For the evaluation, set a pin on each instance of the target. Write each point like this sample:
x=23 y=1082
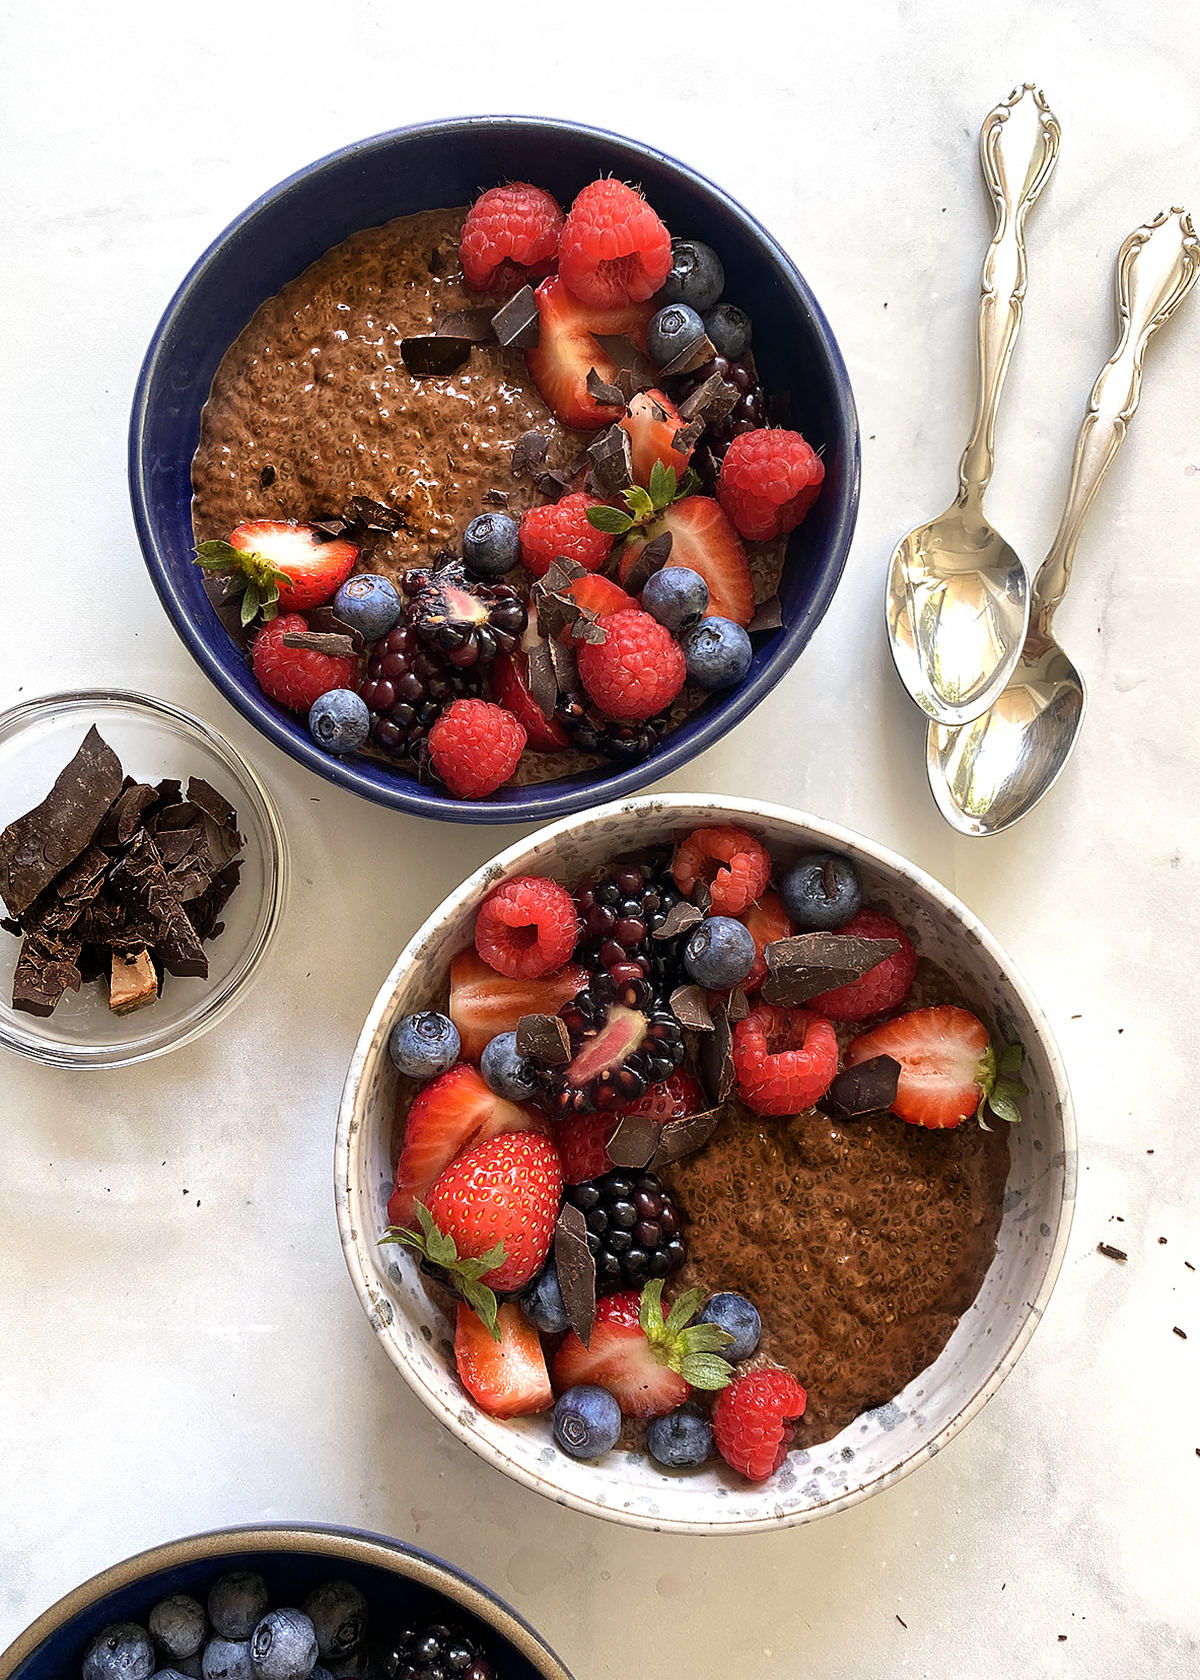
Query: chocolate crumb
x=1189 y=1265
x=576 y=1268
x=903 y=1624
x=496 y=498
x=544 y=1038
x=677 y=920
x=518 y=325
x=689 y=1005
x=1110 y=1252
x=1161 y=1241
x=434 y=355
x=1182 y=1334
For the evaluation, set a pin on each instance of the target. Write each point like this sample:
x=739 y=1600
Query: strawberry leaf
x=650 y=1315
x=609 y=519
x=639 y=503
x=706 y=1370
x=483 y=1303
x=1002 y=1100
x=688 y=484
x=1010 y=1060
x=684 y=1311
x=704 y=1338
x=662 y=485
x=235 y=583
x=250 y=603
x=217 y=556
x=466 y=1274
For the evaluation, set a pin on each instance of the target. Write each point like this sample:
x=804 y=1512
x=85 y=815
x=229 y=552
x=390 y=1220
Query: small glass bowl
x=153 y=739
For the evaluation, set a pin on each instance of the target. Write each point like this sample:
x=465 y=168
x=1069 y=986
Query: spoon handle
x=1016 y=166
x=1156 y=269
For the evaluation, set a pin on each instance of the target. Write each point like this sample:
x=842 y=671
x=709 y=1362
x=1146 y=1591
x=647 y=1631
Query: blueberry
x=192 y=1668
x=671 y=331
x=719 y=953
x=696 y=276
x=542 y=1303
x=369 y=604
x=821 y=892
x=236 y=1604
x=737 y=1315
x=505 y=1072
x=177 y=1626
x=169 y=1674
x=677 y=597
x=339 y=720
x=284 y=1646
x=491 y=545
x=422 y=1046
x=587 y=1421
x=730 y=330
x=338 y=1613
x=227 y=1659
x=717 y=651
x=121 y=1651
x=680 y=1440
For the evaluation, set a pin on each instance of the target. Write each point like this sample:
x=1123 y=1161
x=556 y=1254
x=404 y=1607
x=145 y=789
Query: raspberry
x=744 y=867
x=883 y=987
x=750 y=1421
x=636 y=670
x=294 y=676
x=510 y=236
x=768 y=481
x=767 y=921
x=475 y=747
x=613 y=250
x=527 y=928
x=561 y=529
x=582 y=1146
x=783 y=1059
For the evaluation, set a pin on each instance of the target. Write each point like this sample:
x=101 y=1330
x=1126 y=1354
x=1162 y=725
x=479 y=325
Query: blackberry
x=468 y=622
x=632 y=1229
x=748 y=415
x=406 y=688
x=625 y=743
x=619 y=913
x=434 y=1652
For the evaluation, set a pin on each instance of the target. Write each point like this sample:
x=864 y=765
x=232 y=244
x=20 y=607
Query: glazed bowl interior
x=877 y=1448
x=397 y=1581
x=440 y=165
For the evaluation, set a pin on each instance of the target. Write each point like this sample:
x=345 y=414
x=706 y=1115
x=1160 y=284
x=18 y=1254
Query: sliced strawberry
x=484 y=1003
x=599 y=595
x=507 y=1378
x=316 y=569
x=946 y=1063
x=620 y=1359
x=652 y=422
x=453 y=1112
x=703 y=539
x=510 y=689
x=497 y=1203
x=767 y=921
x=567 y=350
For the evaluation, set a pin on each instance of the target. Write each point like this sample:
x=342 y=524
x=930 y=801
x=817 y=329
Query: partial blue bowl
x=400 y=1583
x=431 y=166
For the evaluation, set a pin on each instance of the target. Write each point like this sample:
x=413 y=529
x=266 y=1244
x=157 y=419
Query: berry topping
x=560 y=531
x=475 y=746
x=484 y=1003
x=283 y=1646
x=632 y=1228
x=881 y=988
x=672 y=1099
x=767 y=921
x=505 y=1374
x=768 y=481
x=653 y=423
x=467 y=622
x=947 y=1066
x=821 y=892
x=719 y=953
x=702 y=539
x=339 y=721
x=542 y=1302
x=295 y=677
x=677 y=597
x=733 y=865
x=369 y=604
x=748 y=414
x=750 y=1421
x=406 y=689
x=506 y=1071
x=613 y=249
x=527 y=927
x=509 y=676
x=739 y=1317
x=422 y=1046
x=682 y=1439
x=647 y=1364
x=491 y=545
x=429 y=1650
x=718 y=653
x=582 y=1141
x=338 y=1613
x=671 y=331
x=237 y=1602
x=509 y=237
x=568 y=348
x=587 y=1421
x=280 y=565
x=729 y=330
x=783 y=1059
x=695 y=277
x=120 y=1651
x=637 y=670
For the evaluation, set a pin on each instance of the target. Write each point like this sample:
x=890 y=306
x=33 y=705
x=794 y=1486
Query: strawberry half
x=652 y=423
x=510 y=689
x=499 y=1202
x=648 y=1365
x=286 y=566
x=484 y=1003
x=505 y=1378
x=671 y=1099
x=704 y=539
x=568 y=348
x=947 y=1066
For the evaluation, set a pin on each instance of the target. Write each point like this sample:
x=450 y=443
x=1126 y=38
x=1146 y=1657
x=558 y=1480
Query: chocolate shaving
x=602 y=392
x=529 y=452
x=119 y=825
x=553 y=485
x=611 y=455
x=710 y=402
x=561 y=573
x=738 y=1006
x=715 y=1059
x=576 y=1267
x=810 y=963
x=330 y=527
x=701 y=895
x=678 y=919
x=518 y=326
x=35 y=847
x=866 y=1088
x=588 y=628
x=323 y=621
x=543 y=684
x=566 y=668
x=544 y=1038
x=497 y=498
x=692 y=356
x=767 y=616
x=474 y=325
x=1111 y=1253
x=687 y=437
x=689 y=1005
x=683 y=1137
x=336 y=646
x=634 y=1141
x=375 y=516
x=652 y=558
x=435 y=355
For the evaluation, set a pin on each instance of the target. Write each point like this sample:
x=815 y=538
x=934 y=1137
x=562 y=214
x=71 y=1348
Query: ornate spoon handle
x=1016 y=168
x=1156 y=269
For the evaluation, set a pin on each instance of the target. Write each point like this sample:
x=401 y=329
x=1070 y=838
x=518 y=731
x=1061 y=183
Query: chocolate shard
x=576 y=1267
x=133 y=981
x=738 y=1006
x=715 y=1059
x=334 y=527
x=140 y=879
x=635 y=372
x=588 y=628
x=496 y=498
x=687 y=437
x=435 y=355
x=1111 y=1252
x=553 y=485
x=684 y=1137
x=810 y=963
x=315 y=641
x=518 y=326
x=375 y=516
x=47 y=966
x=203 y=911
x=323 y=621
x=214 y=805
x=566 y=667
x=543 y=684
x=35 y=847
x=692 y=356
x=634 y=1141
x=652 y=558
x=611 y=455
x=712 y=401
x=473 y=324
x=529 y=452
x=561 y=573
x=602 y=392
x=126 y=815
x=867 y=1088
x=544 y=1038
x=767 y=616
x=678 y=919
x=689 y=1005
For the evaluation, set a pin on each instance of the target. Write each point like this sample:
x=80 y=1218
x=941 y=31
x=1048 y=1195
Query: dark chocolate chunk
x=518 y=326
x=330 y=528
x=611 y=455
x=543 y=684
x=119 y=825
x=634 y=1141
x=47 y=967
x=767 y=616
x=711 y=401
x=472 y=324
x=529 y=452
x=1110 y=1252
x=323 y=621
x=562 y=573
x=336 y=646
x=496 y=498
x=652 y=558
x=678 y=919
x=687 y=437
x=738 y=1006
x=810 y=963
x=544 y=1038
x=435 y=355
x=576 y=1268
x=203 y=911
x=214 y=805
x=635 y=372
x=35 y=847
x=867 y=1088
x=553 y=485
x=139 y=878
x=689 y=1005
x=692 y=356
x=566 y=668
x=715 y=1059
x=375 y=516
x=684 y=1137
x=602 y=392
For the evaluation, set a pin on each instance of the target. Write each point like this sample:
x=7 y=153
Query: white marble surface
x=180 y=1346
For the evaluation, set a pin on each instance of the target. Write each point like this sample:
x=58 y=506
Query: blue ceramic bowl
x=429 y=167
x=398 y=1582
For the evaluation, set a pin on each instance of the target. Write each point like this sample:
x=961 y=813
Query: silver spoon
x=957 y=595
x=987 y=774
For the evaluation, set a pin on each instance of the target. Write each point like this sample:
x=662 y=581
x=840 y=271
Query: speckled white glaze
x=877 y=1448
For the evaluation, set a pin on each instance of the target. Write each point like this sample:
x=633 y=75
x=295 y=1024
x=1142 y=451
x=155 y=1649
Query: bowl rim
x=364 y=777
x=352 y=1545
x=354 y=1245
x=210 y=1011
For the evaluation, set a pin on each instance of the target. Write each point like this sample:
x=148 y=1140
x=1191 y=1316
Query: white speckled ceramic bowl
x=876 y=1449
